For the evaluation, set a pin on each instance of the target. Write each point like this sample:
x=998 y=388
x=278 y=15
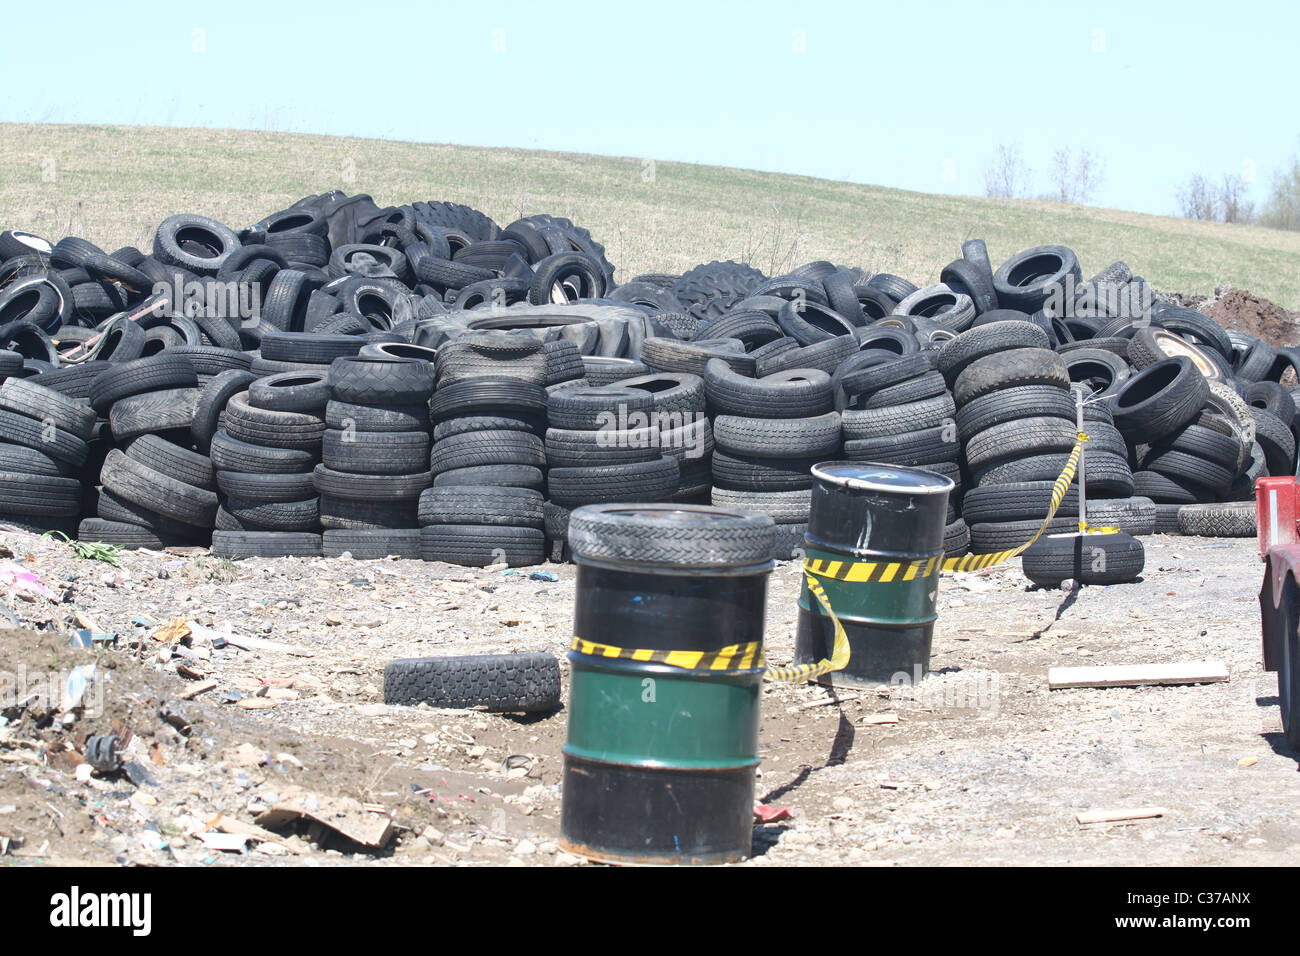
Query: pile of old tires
x=345 y=379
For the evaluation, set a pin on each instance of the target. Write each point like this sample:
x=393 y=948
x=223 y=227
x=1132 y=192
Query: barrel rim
x=928 y=482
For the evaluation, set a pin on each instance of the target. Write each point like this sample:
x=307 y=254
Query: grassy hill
x=113 y=185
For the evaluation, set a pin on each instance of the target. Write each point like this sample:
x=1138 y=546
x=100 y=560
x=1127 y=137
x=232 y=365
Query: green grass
x=113 y=185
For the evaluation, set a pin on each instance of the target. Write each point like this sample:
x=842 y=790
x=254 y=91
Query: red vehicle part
x=1279 y=596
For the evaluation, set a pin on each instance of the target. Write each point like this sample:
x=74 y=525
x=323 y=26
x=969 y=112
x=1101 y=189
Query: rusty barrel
x=875 y=543
x=665 y=678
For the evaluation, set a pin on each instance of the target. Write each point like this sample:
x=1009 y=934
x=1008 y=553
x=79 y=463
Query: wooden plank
x=1132 y=675
x=1119 y=816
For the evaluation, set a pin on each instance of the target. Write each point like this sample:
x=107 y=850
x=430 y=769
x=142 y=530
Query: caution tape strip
x=732 y=657
x=839 y=658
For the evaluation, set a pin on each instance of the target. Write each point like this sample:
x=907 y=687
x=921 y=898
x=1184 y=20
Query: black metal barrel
x=665 y=675
x=875 y=544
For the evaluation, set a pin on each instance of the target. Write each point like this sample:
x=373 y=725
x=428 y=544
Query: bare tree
x=1006 y=176
x=1233 y=206
x=1196 y=199
x=1199 y=198
x=1075 y=178
x=1282 y=211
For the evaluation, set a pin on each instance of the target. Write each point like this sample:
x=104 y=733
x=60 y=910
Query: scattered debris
x=1137 y=675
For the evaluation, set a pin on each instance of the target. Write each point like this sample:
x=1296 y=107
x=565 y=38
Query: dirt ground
x=1246 y=312
x=980 y=763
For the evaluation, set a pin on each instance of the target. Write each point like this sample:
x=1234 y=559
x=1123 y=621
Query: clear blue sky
x=912 y=95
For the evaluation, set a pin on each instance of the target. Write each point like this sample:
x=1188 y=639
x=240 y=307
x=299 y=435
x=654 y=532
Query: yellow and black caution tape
x=737 y=657
x=839 y=658
x=747 y=656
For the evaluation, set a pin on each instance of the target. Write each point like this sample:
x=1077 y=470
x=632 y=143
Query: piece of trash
x=1119 y=816
x=766 y=814
x=190 y=691
x=104 y=752
x=1248 y=761
x=173 y=632
x=228 y=842
x=74 y=688
x=343 y=815
x=174 y=715
x=1134 y=675
x=22 y=580
x=544 y=576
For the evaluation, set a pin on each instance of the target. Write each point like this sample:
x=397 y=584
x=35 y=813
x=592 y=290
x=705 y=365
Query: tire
x=1103 y=372
x=481 y=505
x=473 y=449
x=23 y=494
x=382 y=418
x=1020 y=438
x=1005 y=535
x=370 y=488
x=376 y=514
x=1159 y=400
x=171 y=459
x=29 y=461
x=672 y=535
x=1149 y=346
x=1115 y=558
x=808 y=323
x=509 y=476
x=600 y=370
x=262 y=426
x=820 y=356
x=1106 y=475
x=486 y=395
x=32 y=433
x=141 y=485
x=671 y=355
x=373 y=545
x=126 y=379
x=672 y=392
x=952 y=310
x=925 y=386
x=753 y=473
x=1027 y=279
x=497 y=683
x=291 y=392
x=1165 y=490
x=1028 y=401
x=1132 y=515
x=637 y=481
x=780 y=506
x=36 y=401
x=799 y=393
x=574 y=272
x=126 y=536
x=956 y=539
x=231 y=454
x=296 y=486
x=914 y=416
x=1232 y=520
x=236 y=545
x=927 y=446
x=1022 y=501
x=814 y=437
x=178 y=237
x=1277 y=441
x=307 y=348
x=171 y=412
x=503 y=421
x=590 y=409
x=375 y=453
x=242 y=514
x=567 y=448
x=480 y=546
x=1012 y=368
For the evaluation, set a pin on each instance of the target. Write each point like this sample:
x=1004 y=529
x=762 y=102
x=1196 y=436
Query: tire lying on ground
x=497 y=683
x=1086 y=558
x=1226 y=520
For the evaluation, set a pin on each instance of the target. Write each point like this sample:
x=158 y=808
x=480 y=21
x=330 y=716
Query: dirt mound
x=1241 y=310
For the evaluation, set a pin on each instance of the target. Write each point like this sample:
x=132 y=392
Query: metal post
x=1083 y=448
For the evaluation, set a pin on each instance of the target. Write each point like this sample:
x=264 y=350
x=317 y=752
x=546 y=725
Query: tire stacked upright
x=489 y=413
x=43 y=443
x=1016 y=420
x=679 y=417
x=264 y=452
x=375 y=457
x=768 y=433
x=603 y=446
x=156 y=489
x=900 y=411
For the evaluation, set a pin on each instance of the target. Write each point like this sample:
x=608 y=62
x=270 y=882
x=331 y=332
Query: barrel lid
x=874 y=476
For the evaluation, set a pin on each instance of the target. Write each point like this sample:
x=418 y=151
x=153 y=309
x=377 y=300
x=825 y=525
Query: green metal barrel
x=665 y=680
x=875 y=543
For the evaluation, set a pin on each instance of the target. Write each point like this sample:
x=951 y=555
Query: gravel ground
x=979 y=764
